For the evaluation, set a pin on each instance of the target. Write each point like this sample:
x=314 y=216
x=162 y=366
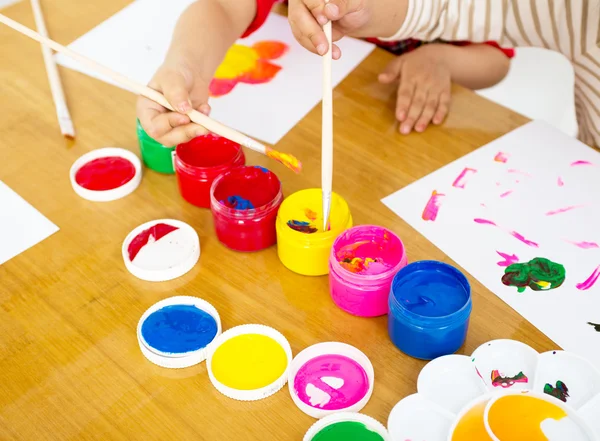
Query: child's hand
x=185 y=91
x=307 y=18
x=424 y=88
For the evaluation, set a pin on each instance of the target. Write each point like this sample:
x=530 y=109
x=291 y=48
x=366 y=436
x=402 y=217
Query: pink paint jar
x=249 y=229
x=362 y=265
x=198 y=162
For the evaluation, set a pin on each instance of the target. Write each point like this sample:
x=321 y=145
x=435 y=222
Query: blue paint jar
x=430 y=306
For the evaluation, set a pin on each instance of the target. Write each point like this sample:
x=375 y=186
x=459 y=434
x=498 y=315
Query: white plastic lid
x=177 y=360
x=340 y=417
x=253 y=394
x=115 y=193
x=164 y=258
x=333 y=380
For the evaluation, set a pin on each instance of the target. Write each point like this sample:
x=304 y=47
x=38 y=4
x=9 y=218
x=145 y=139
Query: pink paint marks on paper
x=514 y=234
x=461 y=180
x=506 y=193
x=484 y=221
x=563 y=210
x=519 y=172
x=560 y=182
x=433 y=206
x=509 y=259
x=584 y=245
x=501 y=157
x=579 y=163
x=589 y=282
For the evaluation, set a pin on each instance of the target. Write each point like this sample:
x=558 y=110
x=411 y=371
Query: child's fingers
x=428 y=112
x=307 y=31
x=182 y=134
x=416 y=109
x=391 y=71
x=176 y=92
x=443 y=108
x=404 y=99
x=165 y=122
x=316 y=9
x=336 y=52
x=147 y=110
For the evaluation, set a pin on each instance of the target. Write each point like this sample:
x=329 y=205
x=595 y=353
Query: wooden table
x=70 y=366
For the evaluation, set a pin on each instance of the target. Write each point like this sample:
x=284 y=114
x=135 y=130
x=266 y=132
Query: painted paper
x=266 y=85
x=537 y=249
x=21 y=225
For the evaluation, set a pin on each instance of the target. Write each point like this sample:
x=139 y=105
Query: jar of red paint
x=199 y=161
x=247 y=229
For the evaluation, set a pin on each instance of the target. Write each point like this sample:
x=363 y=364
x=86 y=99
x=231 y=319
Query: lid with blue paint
x=177 y=332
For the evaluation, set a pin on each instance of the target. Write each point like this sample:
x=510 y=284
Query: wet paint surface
x=289 y=161
x=501 y=157
x=432 y=207
x=237 y=203
x=150 y=235
x=585 y=245
x=375 y=256
x=249 y=362
x=525 y=414
x=561 y=391
x=331 y=382
x=347 y=431
x=471 y=425
x=248 y=65
x=578 y=163
x=462 y=179
x=302 y=226
x=177 y=329
x=106 y=173
x=509 y=259
x=539 y=274
x=590 y=281
x=499 y=380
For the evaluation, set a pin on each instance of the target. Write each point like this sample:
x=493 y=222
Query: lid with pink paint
x=161 y=250
x=331 y=377
x=106 y=174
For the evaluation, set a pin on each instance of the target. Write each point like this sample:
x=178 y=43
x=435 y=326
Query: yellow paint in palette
x=249 y=362
x=471 y=425
x=307 y=253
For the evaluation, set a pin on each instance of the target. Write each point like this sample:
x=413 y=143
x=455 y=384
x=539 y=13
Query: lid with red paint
x=161 y=250
x=106 y=174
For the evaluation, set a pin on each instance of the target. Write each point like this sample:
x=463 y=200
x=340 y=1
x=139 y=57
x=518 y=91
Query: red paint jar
x=252 y=229
x=199 y=161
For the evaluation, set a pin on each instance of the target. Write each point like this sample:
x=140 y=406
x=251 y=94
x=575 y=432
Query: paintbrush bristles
x=197 y=117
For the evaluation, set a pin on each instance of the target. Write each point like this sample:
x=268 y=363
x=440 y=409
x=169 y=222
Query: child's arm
x=203 y=34
x=425 y=76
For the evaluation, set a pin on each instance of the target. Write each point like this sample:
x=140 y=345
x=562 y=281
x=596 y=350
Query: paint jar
x=362 y=265
x=199 y=161
x=250 y=229
x=307 y=253
x=155 y=155
x=430 y=306
x=346 y=426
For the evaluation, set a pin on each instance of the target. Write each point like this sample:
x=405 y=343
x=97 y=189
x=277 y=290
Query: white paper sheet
x=134 y=42
x=545 y=172
x=21 y=225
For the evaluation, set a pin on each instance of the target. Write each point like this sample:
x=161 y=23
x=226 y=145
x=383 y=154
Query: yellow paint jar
x=308 y=253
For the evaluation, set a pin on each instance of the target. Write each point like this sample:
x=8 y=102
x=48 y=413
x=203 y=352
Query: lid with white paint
x=161 y=250
x=331 y=377
x=249 y=362
x=178 y=331
x=106 y=174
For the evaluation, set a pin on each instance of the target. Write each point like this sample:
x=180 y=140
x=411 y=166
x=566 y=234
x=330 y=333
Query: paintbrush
x=62 y=111
x=327 y=129
x=211 y=125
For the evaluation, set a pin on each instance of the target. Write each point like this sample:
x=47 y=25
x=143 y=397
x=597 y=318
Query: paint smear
x=509 y=259
x=589 y=282
x=514 y=234
x=596 y=326
x=484 y=221
x=237 y=203
x=310 y=215
x=331 y=382
x=501 y=157
x=560 y=182
x=248 y=65
x=506 y=193
x=578 y=163
x=584 y=245
x=561 y=391
x=506 y=382
x=249 y=362
x=102 y=174
x=538 y=274
x=302 y=226
x=519 y=172
x=563 y=210
x=433 y=206
x=461 y=180
x=152 y=234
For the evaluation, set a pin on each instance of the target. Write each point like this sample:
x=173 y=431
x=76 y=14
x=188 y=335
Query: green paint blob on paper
x=539 y=274
x=347 y=431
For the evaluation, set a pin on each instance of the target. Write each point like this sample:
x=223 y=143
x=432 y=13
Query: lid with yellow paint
x=249 y=362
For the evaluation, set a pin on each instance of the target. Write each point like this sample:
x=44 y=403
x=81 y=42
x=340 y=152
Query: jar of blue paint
x=430 y=306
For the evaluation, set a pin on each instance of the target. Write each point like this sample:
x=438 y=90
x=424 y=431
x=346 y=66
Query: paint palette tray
x=504 y=387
